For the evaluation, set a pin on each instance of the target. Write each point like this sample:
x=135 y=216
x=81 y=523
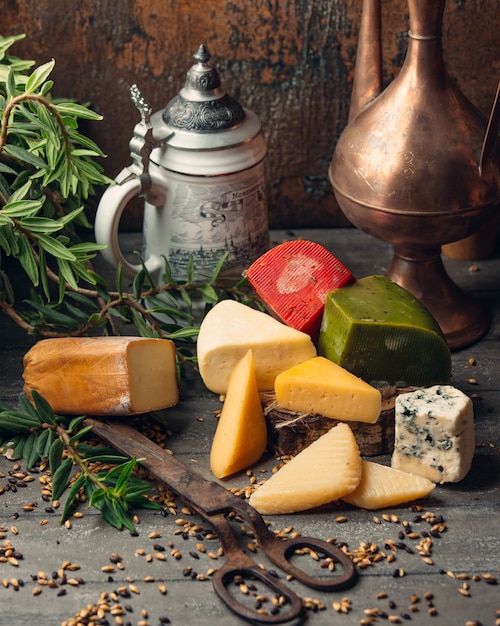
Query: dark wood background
x=291 y=61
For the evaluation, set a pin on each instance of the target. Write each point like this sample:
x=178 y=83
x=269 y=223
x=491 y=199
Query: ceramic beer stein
x=199 y=164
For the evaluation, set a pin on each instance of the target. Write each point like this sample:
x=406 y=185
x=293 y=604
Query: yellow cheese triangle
x=241 y=434
x=323 y=387
x=383 y=486
x=326 y=470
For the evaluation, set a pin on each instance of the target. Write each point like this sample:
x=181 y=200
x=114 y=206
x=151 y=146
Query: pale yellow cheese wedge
x=328 y=469
x=383 y=486
x=103 y=375
x=230 y=329
x=241 y=435
x=320 y=386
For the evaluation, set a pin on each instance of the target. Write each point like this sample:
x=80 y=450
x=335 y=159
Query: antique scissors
x=213 y=502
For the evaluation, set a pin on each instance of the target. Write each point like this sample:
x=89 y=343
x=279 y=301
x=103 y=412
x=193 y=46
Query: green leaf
x=30 y=451
x=125 y=472
x=96 y=496
x=39 y=76
x=79 y=152
x=77 y=110
x=6 y=169
x=77 y=138
x=26 y=407
x=190 y=270
x=46 y=87
x=75 y=423
x=5 y=220
x=218 y=267
x=87 y=247
x=188 y=332
x=22 y=189
x=26 y=157
x=43 y=408
x=66 y=273
x=55 y=455
x=81 y=433
x=22 y=208
x=41 y=225
x=27 y=260
x=105 y=458
x=44 y=279
x=113 y=512
x=10 y=83
x=73 y=492
x=208 y=294
x=17 y=446
x=138 y=283
x=167 y=273
x=48 y=444
x=60 y=478
x=83 y=300
x=8 y=41
x=55 y=247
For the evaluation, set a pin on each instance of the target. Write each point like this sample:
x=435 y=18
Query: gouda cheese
x=241 y=435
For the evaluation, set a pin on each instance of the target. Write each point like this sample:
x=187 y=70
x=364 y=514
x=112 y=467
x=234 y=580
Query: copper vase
x=418 y=165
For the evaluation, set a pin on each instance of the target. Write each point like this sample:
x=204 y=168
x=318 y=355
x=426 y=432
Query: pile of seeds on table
x=197 y=551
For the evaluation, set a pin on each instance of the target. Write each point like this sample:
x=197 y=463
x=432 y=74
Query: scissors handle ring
x=288 y=609
x=280 y=553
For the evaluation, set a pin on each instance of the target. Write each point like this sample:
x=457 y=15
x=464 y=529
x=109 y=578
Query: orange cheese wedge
x=325 y=471
x=241 y=434
x=383 y=486
x=293 y=279
x=103 y=375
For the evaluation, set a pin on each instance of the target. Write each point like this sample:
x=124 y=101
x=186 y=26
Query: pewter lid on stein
x=203 y=115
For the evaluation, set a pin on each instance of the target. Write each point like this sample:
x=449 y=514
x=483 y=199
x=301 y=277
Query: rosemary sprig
x=35 y=433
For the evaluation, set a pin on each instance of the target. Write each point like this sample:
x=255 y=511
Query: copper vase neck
x=426 y=18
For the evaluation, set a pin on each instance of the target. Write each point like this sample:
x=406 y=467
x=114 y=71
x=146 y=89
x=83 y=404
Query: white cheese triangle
x=230 y=329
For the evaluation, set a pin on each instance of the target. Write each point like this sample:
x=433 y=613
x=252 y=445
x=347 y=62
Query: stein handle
x=107 y=220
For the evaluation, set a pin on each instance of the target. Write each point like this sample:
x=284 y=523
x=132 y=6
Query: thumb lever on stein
x=143 y=142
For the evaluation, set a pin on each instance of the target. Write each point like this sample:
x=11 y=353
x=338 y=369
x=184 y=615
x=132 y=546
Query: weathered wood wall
x=291 y=61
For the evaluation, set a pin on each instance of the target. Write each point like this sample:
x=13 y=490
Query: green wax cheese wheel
x=381 y=333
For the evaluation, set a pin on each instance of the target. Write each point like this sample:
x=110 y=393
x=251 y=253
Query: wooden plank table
x=142 y=588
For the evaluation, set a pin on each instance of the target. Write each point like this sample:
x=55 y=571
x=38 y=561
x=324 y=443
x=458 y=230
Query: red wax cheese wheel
x=293 y=279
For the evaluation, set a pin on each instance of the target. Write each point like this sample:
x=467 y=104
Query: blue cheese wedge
x=434 y=433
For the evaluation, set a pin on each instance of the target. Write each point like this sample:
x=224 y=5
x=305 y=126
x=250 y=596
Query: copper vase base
x=462 y=318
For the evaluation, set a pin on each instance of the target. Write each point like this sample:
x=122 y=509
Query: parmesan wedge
x=103 y=375
x=241 y=434
x=230 y=329
x=383 y=486
x=325 y=471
